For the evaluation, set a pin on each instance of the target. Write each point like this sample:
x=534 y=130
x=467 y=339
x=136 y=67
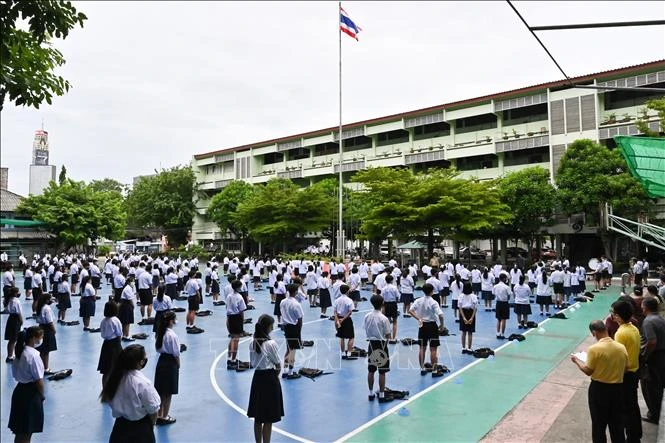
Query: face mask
x=144 y=362
x=37 y=343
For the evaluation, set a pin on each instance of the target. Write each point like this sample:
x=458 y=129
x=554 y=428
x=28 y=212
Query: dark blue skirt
x=26 y=415
x=87 y=307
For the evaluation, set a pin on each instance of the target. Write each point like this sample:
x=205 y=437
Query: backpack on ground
x=482 y=352
x=518 y=337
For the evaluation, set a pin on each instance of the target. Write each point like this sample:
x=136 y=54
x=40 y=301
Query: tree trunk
x=606 y=239
x=430 y=243
x=504 y=246
x=455 y=250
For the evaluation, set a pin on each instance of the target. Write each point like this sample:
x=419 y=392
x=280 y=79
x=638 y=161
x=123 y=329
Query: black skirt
x=265 y=397
x=49 y=344
x=172 y=291
x=96 y=282
x=544 y=299
x=126 y=314
x=278 y=301
x=110 y=351
x=145 y=296
x=463 y=327
x=26 y=415
x=502 y=310
x=64 y=300
x=167 y=374
x=117 y=294
x=27 y=283
x=13 y=327
x=522 y=309
x=75 y=278
x=215 y=287
x=155 y=281
x=324 y=298
x=345 y=329
x=139 y=431
x=235 y=324
x=87 y=307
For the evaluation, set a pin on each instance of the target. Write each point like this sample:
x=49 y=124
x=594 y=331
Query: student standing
x=161 y=304
x=171 y=282
x=426 y=311
x=312 y=286
x=476 y=281
x=390 y=294
x=502 y=294
x=145 y=292
x=354 y=288
x=455 y=291
x=280 y=294
x=8 y=280
x=522 y=303
x=344 y=322
x=266 y=405
x=606 y=363
x=557 y=278
x=567 y=282
x=324 y=285
x=119 y=282
x=88 y=302
x=436 y=285
x=27 y=283
x=64 y=296
x=291 y=314
x=111 y=331
x=167 y=372
x=406 y=286
x=26 y=415
x=133 y=400
x=45 y=321
x=12 y=304
x=193 y=292
x=487 y=288
x=377 y=330
x=127 y=304
x=468 y=306
x=235 y=308
x=544 y=293
x=214 y=283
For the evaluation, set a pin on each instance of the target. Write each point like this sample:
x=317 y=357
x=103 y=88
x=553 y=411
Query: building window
x=243 y=167
x=272 y=158
x=627 y=99
x=326 y=149
x=432 y=130
x=477 y=162
x=357 y=143
x=392 y=137
x=475 y=123
x=298 y=154
x=527 y=156
x=527 y=114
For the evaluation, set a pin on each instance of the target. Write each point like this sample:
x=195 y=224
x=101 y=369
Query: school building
x=483 y=137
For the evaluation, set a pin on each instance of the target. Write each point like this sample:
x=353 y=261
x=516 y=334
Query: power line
x=597 y=25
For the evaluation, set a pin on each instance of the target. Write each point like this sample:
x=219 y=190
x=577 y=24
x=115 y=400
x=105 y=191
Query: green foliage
x=223 y=206
x=75 y=213
x=63 y=175
x=410 y=205
x=104 y=250
x=28 y=59
x=642 y=124
x=193 y=250
x=531 y=199
x=108 y=184
x=280 y=211
x=591 y=175
x=165 y=202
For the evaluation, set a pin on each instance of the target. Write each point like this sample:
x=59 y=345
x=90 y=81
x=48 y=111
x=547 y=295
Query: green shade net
x=646 y=160
x=22 y=223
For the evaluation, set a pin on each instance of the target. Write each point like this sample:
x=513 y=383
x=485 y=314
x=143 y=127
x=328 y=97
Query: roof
x=500 y=95
x=9 y=200
x=646 y=160
x=413 y=244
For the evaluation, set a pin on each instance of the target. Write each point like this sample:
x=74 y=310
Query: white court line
x=397 y=407
x=228 y=401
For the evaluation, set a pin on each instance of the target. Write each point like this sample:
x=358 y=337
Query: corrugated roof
x=500 y=95
x=9 y=200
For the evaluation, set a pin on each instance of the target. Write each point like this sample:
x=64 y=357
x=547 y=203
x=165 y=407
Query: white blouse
x=268 y=358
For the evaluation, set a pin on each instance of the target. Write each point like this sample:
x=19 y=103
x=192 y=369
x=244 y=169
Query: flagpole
x=340 y=235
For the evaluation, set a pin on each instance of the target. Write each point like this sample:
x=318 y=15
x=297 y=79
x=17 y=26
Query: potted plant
x=610 y=119
x=530 y=134
x=411 y=151
x=505 y=136
x=516 y=134
x=626 y=118
x=488 y=139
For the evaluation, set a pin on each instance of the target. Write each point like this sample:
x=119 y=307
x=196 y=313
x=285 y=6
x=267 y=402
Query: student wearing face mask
x=133 y=399
x=167 y=372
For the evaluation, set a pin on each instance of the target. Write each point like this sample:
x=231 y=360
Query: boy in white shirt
x=344 y=322
x=377 y=330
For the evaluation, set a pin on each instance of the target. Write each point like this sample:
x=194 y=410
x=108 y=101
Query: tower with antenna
x=41 y=172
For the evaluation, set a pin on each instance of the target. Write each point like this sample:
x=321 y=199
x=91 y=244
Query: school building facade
x=483 y=137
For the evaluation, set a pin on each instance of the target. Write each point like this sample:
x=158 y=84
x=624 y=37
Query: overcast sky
x=157 y=82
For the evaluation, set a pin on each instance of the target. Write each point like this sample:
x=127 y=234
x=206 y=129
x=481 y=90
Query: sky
x=156 y=82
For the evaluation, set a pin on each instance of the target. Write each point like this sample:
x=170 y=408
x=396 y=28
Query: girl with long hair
x=544 y=293
x=265 y=398
x=111 y=330
x=87 y=303
x=522 y=302
x=44 y=319
x=133 y=399
x=167 y=372
x=11 y=303
x=468 y=306
x=26 y=415
x=161 y=304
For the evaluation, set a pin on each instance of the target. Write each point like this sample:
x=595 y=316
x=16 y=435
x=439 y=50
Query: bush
x=103 y=250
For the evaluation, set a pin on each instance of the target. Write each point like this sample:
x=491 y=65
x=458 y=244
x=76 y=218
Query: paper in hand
x=581 y=356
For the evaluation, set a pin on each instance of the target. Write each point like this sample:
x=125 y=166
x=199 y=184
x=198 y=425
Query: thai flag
x=346 y=25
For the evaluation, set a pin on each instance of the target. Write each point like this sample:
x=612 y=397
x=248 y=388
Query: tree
x=223 y=206
x=280 y=212
x=28 y=59
x=642 y=122
x=531 y=199
x=110 y=185
x=75 y=213
x=431 y=205
x=164 y=202
x=591 y=175
x=63 y=175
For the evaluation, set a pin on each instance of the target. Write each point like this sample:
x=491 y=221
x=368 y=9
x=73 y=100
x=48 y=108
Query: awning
x=412 y=245
x=646 y=160
x=21 y=223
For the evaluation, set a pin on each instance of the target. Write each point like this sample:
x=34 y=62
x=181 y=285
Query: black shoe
x=437 y=374
x=9 y=359
x=127 y=339
x=292 y=376
x=407 y=316
x=323 y=316
x=457 y=320
x=385 y=399
x=371 y=397
x=392 y=342
x=230 y=365
x=354 y=310
x=650 y=420
x=423 y=372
